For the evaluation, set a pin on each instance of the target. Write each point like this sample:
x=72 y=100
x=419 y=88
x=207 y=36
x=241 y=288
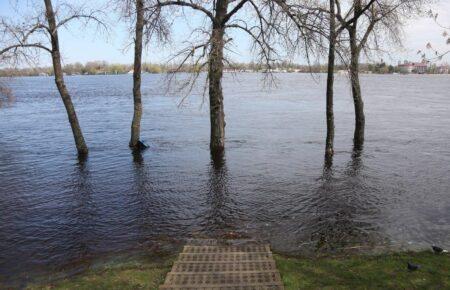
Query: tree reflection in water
x=221 y=213
x=82 y=234
x=7 y=98
x=146 y=210
x=338 y=226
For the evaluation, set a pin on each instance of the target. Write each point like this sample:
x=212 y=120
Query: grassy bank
x=386 y=271
x=139 y=274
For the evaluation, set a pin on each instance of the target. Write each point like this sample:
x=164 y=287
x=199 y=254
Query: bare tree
x=136 y=123
x=148 y=23
x=383 y=17
x=209 y=53
x=310 y=19
x=40 y=32
x=334 y=33
x=355 y=49
x=378 y=18
x=329 y=143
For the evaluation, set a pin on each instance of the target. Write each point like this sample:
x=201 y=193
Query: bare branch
x=233 y=11
x=187 y=4
x=25 y=45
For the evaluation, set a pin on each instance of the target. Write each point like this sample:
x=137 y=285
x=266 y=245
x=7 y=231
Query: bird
x=438 y=250
x=413 y=267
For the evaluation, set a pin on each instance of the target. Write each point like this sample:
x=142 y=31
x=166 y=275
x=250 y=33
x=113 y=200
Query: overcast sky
x=85 y=45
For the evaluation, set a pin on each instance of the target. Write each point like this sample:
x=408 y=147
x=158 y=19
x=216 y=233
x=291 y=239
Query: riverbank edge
x=362 y=271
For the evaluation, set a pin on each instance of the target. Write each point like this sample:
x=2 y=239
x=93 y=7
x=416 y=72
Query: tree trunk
x=59 y=80
x=136 y=123
x=358 y=139
x=329 y=150
x=215 y=73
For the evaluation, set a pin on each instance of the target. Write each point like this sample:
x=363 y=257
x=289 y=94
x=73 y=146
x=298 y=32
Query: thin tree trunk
x=358 y=138
x=215 y=73
x=59 y=80
x=329 y=147
x=136 y=123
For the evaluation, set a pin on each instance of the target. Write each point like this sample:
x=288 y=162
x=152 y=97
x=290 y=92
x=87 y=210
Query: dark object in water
x=413 y=267
x=140 y=146
x=437 y=250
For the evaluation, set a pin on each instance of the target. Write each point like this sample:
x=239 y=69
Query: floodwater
x=270 y=185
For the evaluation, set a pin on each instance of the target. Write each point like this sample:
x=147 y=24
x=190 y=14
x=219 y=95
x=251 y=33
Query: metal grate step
x=183 y=267
x=224 y=265
x=202 y=242
x=213 y=242
x=225 y=257
x=224 y=279
x=248 y=287
x=226 y=249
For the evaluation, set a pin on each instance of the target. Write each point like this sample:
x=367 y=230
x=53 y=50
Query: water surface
x=270 y=185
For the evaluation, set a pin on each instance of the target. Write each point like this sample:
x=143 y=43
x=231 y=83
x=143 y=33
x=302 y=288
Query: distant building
x=405 y=68
x=413 y=67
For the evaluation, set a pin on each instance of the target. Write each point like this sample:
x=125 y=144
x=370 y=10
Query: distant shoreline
x=105 y=68
x=226 y=72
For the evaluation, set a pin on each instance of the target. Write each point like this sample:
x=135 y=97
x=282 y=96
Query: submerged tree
x=363 y=21
x=137 y=98
x=382 y=20
x=222 y=16
x=148 y=23
x=310 y=19
x=24 y=39
x=329 y=143
x=355 y=49
x=332 y=39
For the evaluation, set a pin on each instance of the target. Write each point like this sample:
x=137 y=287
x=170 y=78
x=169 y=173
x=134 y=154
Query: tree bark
x=329 y=145
x=59 y=80
x=215 y=74
x=137 y=98
x=358 y=138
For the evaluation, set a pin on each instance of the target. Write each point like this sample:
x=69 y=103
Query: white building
x=413 y=67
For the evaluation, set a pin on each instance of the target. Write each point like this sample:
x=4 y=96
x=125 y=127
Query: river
x=271 y=184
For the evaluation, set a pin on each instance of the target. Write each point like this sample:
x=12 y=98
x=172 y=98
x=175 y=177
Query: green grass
x=130 y=275
x=387 y=271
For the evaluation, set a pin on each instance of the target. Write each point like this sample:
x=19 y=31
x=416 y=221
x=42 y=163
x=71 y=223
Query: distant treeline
x=89 y=68
x=105 y=68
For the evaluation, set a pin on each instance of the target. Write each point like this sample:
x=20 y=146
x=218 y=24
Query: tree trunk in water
x=358 y=138
x=136 y=123
x=215 y=73
x=329 y=148
x=59 y=80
